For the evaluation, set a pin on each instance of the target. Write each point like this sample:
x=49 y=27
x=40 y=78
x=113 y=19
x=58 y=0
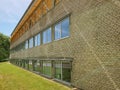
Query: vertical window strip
x=47 y=37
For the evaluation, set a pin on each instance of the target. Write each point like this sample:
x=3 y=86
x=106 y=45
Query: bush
x=4 y=47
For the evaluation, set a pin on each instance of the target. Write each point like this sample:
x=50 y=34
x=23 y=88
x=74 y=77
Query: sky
x=11 y=12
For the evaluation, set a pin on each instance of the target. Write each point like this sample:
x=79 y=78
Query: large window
x=30 y=65
x=47 y=36
x=62 y=29
x=63 y=71
x=31 y=42
x=36 y=66
x=66 y=71
x=37 y=40
x=58 y=70
x=47 y=68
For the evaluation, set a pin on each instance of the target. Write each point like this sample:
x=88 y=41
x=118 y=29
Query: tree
x=4 y=47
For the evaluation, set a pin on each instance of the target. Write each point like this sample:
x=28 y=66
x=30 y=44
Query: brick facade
x=94 y=42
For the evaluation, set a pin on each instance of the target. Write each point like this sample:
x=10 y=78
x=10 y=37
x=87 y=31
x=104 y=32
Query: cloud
x=11 y=12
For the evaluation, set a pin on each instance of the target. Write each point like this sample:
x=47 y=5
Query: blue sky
x=11 y=12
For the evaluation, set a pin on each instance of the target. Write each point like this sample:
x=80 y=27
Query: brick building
x=76 y=42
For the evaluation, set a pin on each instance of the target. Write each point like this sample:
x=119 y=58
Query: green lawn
x=15 y=78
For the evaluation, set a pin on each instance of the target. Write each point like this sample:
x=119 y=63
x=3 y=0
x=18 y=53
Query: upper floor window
x=31 y=42
x=37 y=40
x=26 y=44
x=47 y=36
x=62 y=29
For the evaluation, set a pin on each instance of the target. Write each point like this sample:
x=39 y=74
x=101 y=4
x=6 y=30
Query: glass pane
x=30 y=65
x=26 y=64
x=35 y=40
x=31 y=43
x=58 y=31
x=65 y=28
x=66 y=70
x=47 y=68
x=26 y=44
x=58 y=70
x=36 y=66
x=38 y=39
x=45 y=37
x=49 y=35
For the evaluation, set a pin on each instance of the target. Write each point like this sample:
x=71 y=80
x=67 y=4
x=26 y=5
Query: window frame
x=46 y=33
x=31 y=44
x=37 y=40
x=60 y=22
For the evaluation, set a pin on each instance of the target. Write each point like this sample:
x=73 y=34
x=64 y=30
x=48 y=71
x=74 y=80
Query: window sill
x=62 y=38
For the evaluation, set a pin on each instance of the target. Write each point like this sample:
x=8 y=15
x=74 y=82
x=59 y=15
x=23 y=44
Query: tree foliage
x=4 y=46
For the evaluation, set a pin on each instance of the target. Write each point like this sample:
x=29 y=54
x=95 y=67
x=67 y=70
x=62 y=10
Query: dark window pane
x=36 y=66
x=30 y=65
x=66 y=70
x=65 y=28
x=58 y=70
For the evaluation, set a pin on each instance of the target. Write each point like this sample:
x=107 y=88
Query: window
x=66 y=71
x=26 y=44
x=58 y=31
x=47 y=68
x=30 y=65
x=37 y=40
x=36 y=66
x=47 y=36
x=62 y=29
x=31 y=42
x=58 y=70
x=63 y=70
x=65 y=28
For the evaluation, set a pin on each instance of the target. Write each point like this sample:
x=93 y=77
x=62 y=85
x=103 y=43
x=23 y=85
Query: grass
x=15 y=78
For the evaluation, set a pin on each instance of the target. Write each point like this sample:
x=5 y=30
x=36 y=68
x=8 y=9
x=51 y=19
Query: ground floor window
x=58 y=69
x=63 y=70
x=36 y=65
x=30 y=65
x=66 y=71
x=47 y=68
x=27 y=64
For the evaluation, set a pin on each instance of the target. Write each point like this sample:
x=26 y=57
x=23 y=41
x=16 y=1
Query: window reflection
x=31 y=42
x=62 y=29
x=47 y=36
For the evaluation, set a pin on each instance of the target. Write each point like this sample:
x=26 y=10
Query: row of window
x=60 y=70
x=59 y=31
x=40 y=11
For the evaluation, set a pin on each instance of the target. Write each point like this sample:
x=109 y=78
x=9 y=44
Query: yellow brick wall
x=94 y=42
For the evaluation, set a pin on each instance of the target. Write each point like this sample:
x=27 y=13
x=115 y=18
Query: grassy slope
x=14 y=78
